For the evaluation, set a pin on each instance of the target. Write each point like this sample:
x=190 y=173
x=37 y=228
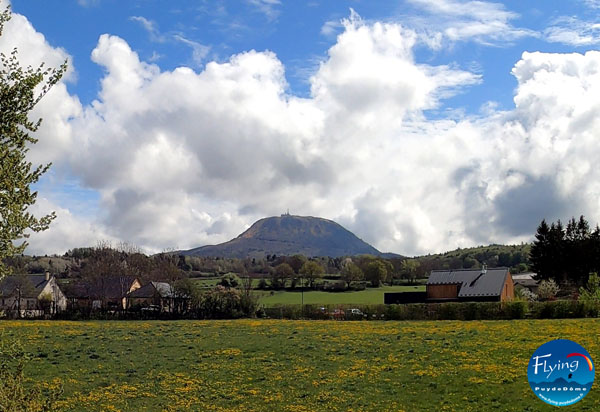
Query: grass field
x=269 y=365
x=366 y=297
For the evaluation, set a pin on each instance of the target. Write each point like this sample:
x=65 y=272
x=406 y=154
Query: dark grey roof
x=111 y=287
x=472 y=281
x=526 y=282
x=153 y=289
x=31 y=285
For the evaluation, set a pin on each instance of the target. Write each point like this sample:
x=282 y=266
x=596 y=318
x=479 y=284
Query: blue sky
x=300 y=33
x=371 y=113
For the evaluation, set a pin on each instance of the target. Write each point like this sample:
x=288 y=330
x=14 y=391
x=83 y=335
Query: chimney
x=483 y=272
x=47 y=275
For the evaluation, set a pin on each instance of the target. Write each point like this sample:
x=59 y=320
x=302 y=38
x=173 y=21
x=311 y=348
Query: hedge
x=558 y=309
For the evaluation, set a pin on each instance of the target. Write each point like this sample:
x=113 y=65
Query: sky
x=420 y=125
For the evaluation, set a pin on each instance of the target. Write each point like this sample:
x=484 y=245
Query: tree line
x=566 y=254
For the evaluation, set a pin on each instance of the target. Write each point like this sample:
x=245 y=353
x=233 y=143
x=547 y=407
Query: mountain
x=561 y=382
x=290 y=235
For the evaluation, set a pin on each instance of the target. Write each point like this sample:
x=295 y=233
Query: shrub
x=562 y=309
x=223 y=303
x=15 y=396
x=395 y=312
x=230 y=280
x=448 y=311
x=548 y=289
x=542 y=310
x=516 y=309
x=358 y=286
x=590 y=296
x=470 y=311
x=525 y=294
x=416 y=311
x=284 y=312
x=262 y=284
x=339 y=286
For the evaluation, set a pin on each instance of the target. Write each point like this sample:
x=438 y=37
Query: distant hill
x=290 y=235
x=515 y=257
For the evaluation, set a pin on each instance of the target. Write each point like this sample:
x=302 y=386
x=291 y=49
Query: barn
x=482 y=285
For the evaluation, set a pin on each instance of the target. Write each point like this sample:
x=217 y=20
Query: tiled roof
x=472 y=282
x=154 y=289
x=114 y=287
x=31 y=285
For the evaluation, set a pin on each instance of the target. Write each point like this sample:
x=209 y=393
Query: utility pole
x=302 y=293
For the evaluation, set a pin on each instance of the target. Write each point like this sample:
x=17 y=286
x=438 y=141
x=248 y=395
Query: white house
x=31 y=295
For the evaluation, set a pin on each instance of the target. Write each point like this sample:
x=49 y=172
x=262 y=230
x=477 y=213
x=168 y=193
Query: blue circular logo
x=561 y=372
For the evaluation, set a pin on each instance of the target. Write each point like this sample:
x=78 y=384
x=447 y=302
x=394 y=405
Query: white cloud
x=151 y=27
x=595 y=4
x=184 y=158
x=32 y=46
x=67 y=231
x=199 y=51
x=457 y=20
x=58 y=106
x=331 y=27
x=268 y=7
x=88 y=3
x=574 y=32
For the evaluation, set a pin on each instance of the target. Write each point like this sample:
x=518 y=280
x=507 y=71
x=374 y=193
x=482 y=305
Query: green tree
x=409 y=269
x=568 y=254
x=20 y=91
x=296 y=262
x=311 y=271
x=590 y=295
x=280 y=274
x=351 y=273
x=543 y=252
x=376 y=272
x=187 y=294
x=230 y=280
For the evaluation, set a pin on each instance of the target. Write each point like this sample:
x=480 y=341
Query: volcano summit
x=290 y=235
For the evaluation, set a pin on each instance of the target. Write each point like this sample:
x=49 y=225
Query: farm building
x=494 y=284
x=526 y=281
x=31 y=295
x=109 y=293
x=158 y=294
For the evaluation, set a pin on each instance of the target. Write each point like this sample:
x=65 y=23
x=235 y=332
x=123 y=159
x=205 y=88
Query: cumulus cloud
x=59 y=107
x=67 y=231
x=184 y=158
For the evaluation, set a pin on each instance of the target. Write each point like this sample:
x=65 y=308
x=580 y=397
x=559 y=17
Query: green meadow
x=369 y=296
x=272 y=365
